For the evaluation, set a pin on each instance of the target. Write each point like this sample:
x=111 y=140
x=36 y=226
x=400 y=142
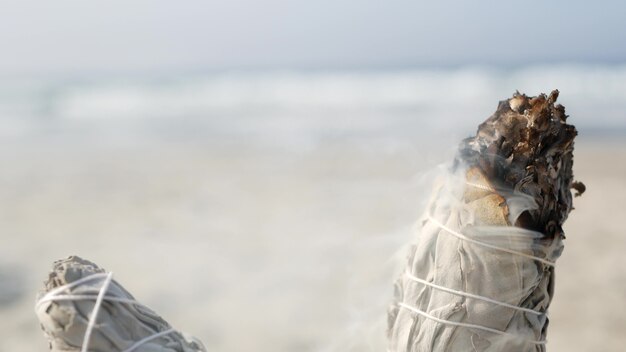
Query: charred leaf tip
x=554 y=95
x=579 y=187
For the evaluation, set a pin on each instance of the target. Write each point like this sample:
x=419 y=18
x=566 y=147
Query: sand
x=267 y=249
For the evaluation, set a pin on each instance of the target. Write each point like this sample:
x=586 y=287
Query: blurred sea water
x=297 y=109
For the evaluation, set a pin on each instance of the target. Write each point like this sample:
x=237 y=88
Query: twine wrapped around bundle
x=83 y=309
x=481 y=275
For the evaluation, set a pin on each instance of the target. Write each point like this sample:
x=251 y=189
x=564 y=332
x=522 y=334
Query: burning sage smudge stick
x=481 y=275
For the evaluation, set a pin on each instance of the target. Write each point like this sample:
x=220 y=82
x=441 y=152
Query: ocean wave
x=596 y=95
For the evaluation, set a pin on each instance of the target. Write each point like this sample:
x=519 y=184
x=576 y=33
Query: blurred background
x=252 y=170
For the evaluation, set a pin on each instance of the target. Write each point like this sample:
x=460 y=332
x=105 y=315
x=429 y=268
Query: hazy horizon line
x=302 y=68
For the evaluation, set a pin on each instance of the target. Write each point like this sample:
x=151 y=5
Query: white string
x=94 y=312
x=466 y=294
x=470 y=295
x=488 y=245
x=52 y=294
x=86 y=298
x=466 y=325
x=55 y=295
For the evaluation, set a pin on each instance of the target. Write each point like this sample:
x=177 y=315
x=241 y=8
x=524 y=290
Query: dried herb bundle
x=481 y=276
x=66 y=304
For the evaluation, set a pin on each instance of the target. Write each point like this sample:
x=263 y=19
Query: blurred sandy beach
x=273 y=250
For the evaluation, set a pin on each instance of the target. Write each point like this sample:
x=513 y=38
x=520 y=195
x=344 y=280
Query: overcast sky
x=61 y=36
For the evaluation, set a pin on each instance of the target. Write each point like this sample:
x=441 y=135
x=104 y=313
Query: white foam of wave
x=280 y=91
x=304 y=104
x=580 y=85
